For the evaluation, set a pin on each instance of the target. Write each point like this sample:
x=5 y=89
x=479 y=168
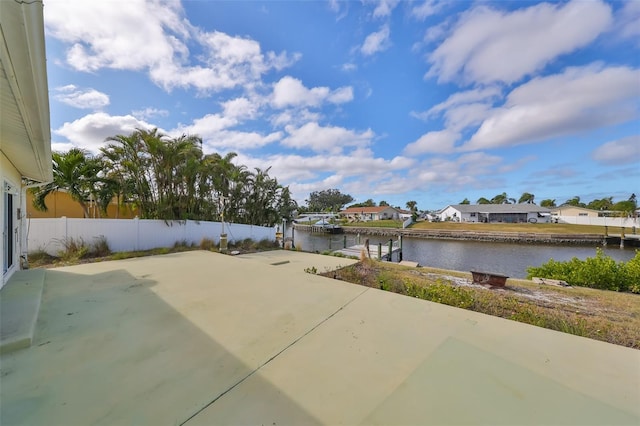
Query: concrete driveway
x=202 y=338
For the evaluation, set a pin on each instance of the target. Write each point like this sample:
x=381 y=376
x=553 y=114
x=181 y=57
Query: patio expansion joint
x=213 y=401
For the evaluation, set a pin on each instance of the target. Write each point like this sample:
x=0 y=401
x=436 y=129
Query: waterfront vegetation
x=609 y=316
x=600 y=272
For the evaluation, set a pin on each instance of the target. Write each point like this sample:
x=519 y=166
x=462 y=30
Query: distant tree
x=502 y=199
x=483 y=200
x=575 y=201
x=601 y=204
x=465 y=201
x=368 y=203
x=328 y=200
x=413 y=207
x=626 y=207
x=383 y=204
x=526 y=197
x=548 y=203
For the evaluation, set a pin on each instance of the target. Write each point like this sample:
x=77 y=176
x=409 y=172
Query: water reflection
x=502 y=258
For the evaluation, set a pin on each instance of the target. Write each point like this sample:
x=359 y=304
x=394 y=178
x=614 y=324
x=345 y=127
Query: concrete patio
x=202 y=338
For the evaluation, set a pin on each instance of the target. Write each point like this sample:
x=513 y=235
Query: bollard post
x=344 y=245
x=390 y=249
x=379 y=251
x=622 y=237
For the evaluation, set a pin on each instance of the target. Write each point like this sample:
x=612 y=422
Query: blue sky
x=415 y=100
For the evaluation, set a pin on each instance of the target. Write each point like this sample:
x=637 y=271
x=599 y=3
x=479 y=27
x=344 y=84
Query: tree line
x=628 y=206
x=169 y=179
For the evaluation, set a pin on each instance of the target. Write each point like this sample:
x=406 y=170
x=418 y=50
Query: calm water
x=501 y=258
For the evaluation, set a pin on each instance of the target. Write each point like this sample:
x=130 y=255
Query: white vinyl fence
x=627 y=222
x=134 y=234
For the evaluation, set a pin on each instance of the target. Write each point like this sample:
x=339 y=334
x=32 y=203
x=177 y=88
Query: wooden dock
x=375 y=251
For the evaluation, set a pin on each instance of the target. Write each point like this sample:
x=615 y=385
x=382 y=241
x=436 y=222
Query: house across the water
x=487 y=213
x=365 y=214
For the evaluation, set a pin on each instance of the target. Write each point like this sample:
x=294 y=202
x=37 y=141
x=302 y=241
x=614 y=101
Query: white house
x=25 y=138
x=364 y=214
x=509 y=213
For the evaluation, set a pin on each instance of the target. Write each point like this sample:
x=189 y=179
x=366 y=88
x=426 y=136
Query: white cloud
x=217 y=132
x=306 y=174
x=294 y=117
x=81 y=98
x=349 y=67
x=290 y=91
x=466 y=97
x=463 y=109
x=489 y=45
x=628 y=21
x=425 y=9
x=233 y=140
x=89 y=132
x=573 y=102
x=149 y=112
x=440 y=142
x=240 y=108
x=377 y=41
x=384 y=8
x=154 y=36
x=621 y=151
x=325 y=139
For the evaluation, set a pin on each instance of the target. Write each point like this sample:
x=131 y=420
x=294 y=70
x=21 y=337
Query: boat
x=323 y=227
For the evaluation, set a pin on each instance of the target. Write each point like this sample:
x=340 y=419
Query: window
x=583 y=214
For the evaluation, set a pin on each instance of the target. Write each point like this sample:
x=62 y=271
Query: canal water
x=501 y=258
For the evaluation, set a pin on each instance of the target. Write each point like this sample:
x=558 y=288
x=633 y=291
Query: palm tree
x=526 y=197
x=412 y=206
x=74 y=172
x=483 y=200
x=502 y=199
x=548 y=203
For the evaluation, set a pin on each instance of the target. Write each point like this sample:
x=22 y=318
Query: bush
x=207 y=244
x=74 y=249
x=100 y=247
x=601 y=272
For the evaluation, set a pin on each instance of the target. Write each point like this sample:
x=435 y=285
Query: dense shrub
x=601 y=272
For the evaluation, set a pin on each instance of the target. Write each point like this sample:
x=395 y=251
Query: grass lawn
x=597 y=314
x=540 y=228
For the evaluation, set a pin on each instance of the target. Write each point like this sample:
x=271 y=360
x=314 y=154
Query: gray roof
x=500 y=208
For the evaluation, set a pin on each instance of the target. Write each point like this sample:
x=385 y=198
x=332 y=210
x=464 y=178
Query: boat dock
x=388 y=252
x=630 y=240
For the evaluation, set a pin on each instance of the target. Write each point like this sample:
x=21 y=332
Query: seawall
x=509 y=237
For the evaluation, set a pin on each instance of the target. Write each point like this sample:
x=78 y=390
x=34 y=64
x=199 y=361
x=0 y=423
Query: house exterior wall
x=574 y=211
x=451 y=213
x=11 y=222
x=60 y=204
x=364 y=215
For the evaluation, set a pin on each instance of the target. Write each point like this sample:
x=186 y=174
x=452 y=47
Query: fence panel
x=627 y=222
x=134 y=234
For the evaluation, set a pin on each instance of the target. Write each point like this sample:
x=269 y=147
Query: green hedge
x=601 y=272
